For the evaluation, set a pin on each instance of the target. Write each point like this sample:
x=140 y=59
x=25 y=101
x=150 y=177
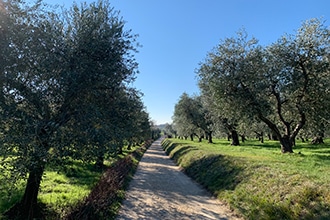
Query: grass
x=105 y=198
x=61 y=192
x=257 y=180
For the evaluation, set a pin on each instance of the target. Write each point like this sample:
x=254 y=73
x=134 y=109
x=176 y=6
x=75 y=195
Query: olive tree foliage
x=155 y=130
x=62 y=77
x=135 y=122
x=227 y=124
x=170 y=131
x=283 y=85
x=191 y=118
x=222 y=119
x=306 y=59
x=118 y=120
x=181 y=122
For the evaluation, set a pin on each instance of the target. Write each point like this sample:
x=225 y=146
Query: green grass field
x=257 y=180
x=60 y=191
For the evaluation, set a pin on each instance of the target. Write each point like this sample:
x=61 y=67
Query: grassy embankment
x=79 y=190
x=257 y=180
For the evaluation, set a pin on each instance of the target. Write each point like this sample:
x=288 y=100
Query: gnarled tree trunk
x=286 y=144
x=235 y=139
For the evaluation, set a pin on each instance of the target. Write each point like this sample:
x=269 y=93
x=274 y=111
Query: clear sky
x=176 y=36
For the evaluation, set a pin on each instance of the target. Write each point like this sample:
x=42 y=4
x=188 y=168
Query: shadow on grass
x=169 y=146
x=177 y=155
x=214 y=172
x=307 y=204
x=258 y=145
x=9 y=196
x=105 y=193
x=82 y=173
x=319 y=151
x=104 y=200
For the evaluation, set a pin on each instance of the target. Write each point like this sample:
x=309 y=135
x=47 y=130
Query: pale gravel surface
x=159 y=190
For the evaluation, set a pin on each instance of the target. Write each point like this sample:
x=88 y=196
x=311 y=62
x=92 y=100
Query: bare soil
x=160 y=190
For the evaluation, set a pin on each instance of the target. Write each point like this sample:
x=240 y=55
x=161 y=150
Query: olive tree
x=170 y=131
x=55 y=67
x=283 y=85
x=181 y=122
x=222 y=119
x=190 y=113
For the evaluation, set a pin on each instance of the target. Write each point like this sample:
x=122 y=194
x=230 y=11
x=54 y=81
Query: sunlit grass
x=259 y=181
x=61 y=189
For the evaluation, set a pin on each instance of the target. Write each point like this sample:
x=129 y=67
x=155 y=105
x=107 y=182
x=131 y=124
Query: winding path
x=159 y=190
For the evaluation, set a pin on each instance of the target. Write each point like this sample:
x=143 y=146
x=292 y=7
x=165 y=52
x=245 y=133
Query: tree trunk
x=228 y=136
x=209 y=134
x=260 y=136
x=317 y=140
x=120 y=146
x=274 y=136
x=243 y=138
x=29 y=206
x=192 y=137
x=235 y=138
x=286 y=144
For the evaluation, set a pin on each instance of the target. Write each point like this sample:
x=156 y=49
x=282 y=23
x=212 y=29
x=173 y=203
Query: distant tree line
x=281 y=90
x=65 y=79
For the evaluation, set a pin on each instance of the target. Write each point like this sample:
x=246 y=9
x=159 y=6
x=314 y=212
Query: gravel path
x=159 y=190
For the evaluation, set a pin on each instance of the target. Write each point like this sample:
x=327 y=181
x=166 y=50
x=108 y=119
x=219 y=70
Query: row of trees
x=66 y=92
x=282 y=89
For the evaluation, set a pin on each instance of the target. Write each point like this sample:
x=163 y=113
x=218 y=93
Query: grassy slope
x=257 y=180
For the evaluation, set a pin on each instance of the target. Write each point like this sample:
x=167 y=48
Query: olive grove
x=284 y=85
x=281 y=89
x=65 y=89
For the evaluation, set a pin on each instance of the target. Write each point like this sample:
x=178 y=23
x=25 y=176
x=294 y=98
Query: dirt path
x=159 y=190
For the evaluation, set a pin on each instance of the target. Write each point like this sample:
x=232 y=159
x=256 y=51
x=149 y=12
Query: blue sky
x=176 y=36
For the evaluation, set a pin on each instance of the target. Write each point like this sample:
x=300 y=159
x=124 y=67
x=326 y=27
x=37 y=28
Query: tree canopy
x=283 y=85
x=65 y=88
x=191 y=118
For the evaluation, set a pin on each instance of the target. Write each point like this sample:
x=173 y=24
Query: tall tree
x=54 y=68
